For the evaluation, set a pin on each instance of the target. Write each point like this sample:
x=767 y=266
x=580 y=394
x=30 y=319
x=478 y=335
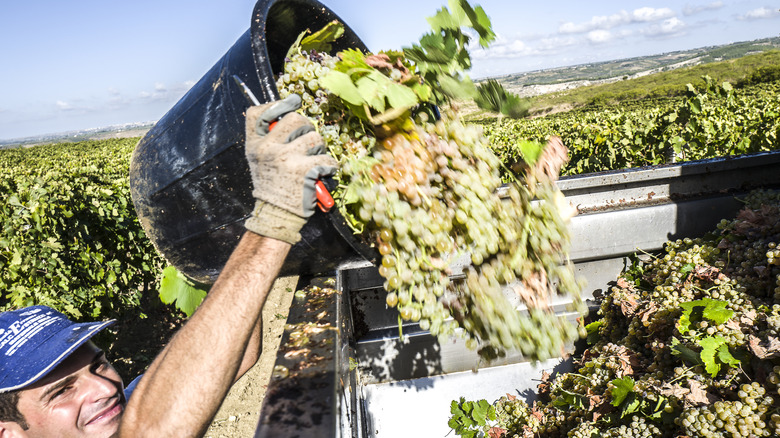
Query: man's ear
x=10 y=429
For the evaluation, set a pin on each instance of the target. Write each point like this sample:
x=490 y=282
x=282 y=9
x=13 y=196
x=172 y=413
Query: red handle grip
x=324 y=200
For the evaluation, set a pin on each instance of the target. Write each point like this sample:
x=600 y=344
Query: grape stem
x=681 y=375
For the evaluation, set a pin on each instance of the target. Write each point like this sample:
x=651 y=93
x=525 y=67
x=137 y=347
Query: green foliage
x=662 y=85
x=468 y=418
x=764 y=74
x=697 y=311
x=592 y=331
x=492 y=96
x=621 y=389
x=441 y=55
x=176 y=288
x=320 y=40
x=714 y=352
x=364 y=88
x=712 y=120
x=382 y=88
x=70 y=238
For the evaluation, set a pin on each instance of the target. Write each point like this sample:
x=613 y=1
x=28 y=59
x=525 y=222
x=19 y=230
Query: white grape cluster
x=431 y=197
x=426 y=197
x=302 y=74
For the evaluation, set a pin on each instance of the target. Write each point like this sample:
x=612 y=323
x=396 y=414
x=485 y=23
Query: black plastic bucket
x=189 y=178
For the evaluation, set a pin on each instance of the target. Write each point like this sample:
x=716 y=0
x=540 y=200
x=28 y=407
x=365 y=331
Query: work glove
x=286 y=158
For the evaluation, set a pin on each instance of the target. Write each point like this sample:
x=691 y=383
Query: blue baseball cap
x=34 y=340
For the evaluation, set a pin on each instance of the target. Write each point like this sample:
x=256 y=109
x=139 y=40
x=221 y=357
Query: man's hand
x=286 y=160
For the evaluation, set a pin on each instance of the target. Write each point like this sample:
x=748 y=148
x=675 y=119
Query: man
x=62 y=385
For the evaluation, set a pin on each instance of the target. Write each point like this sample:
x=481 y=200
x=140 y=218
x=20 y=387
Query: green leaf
x=320 y=40
x=632 y=404
x=457 y=89
x=695 y=311
x=16 y=259
x=480 y=22
x=341 y=85
x=709 y=347
x=481 y=412
x=688 y=355
x=622 y=387
x=423 y=91
x=443 y=20
x=52 y=243
x=724 y=355
x=530 y=151
x=592 y=330
x=400 y=96
x=371 y=92
x=175 y=288
x=716 y=311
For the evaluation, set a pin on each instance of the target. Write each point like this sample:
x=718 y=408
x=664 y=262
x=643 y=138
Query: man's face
x=81 y=397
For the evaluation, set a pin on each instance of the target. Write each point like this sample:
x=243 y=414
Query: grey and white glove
x=286 y=158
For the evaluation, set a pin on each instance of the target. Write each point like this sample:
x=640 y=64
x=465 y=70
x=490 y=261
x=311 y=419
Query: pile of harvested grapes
x=687 y=345
x=422 y=188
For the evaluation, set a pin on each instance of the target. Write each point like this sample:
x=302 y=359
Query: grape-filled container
x=189 y=179
x=344 y=369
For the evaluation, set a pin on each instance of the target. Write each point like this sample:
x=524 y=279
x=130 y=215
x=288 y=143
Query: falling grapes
x=427 y=194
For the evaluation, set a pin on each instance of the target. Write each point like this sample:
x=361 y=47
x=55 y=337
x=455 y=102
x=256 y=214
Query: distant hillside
x=640 y=65
x=118 y=131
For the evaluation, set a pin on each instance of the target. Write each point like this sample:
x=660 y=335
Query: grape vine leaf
x=341 y=85
x=688 y=355
x=621 y=389
x=320 y=40
x=462 y=14
x=592 y=330
x=530 y=151
x=695 y=311
x=174 y=287
x=466 y=415
x=714 y=353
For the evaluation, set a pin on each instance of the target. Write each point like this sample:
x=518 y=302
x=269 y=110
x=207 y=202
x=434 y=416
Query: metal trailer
x=343 y=371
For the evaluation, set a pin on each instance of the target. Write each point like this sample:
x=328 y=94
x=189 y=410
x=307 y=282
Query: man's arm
x=185 y=385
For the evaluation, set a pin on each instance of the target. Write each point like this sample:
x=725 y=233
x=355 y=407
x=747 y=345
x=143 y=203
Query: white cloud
x=63 y=106
x=693 y=10
x=554 y=44
x=644 y=15
x=162 y=92
x=503 y=48
x=599 y=36
x=672 y=26
x=605 y=22
x=757 y=14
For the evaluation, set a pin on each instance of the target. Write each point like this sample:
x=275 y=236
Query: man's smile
x=110 y=413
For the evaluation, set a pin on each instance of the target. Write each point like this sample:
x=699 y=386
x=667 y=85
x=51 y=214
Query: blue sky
x=86 y=63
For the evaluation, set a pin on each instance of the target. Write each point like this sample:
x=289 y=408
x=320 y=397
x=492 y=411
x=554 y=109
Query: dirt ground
x=135 y=340
x=240 y=412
